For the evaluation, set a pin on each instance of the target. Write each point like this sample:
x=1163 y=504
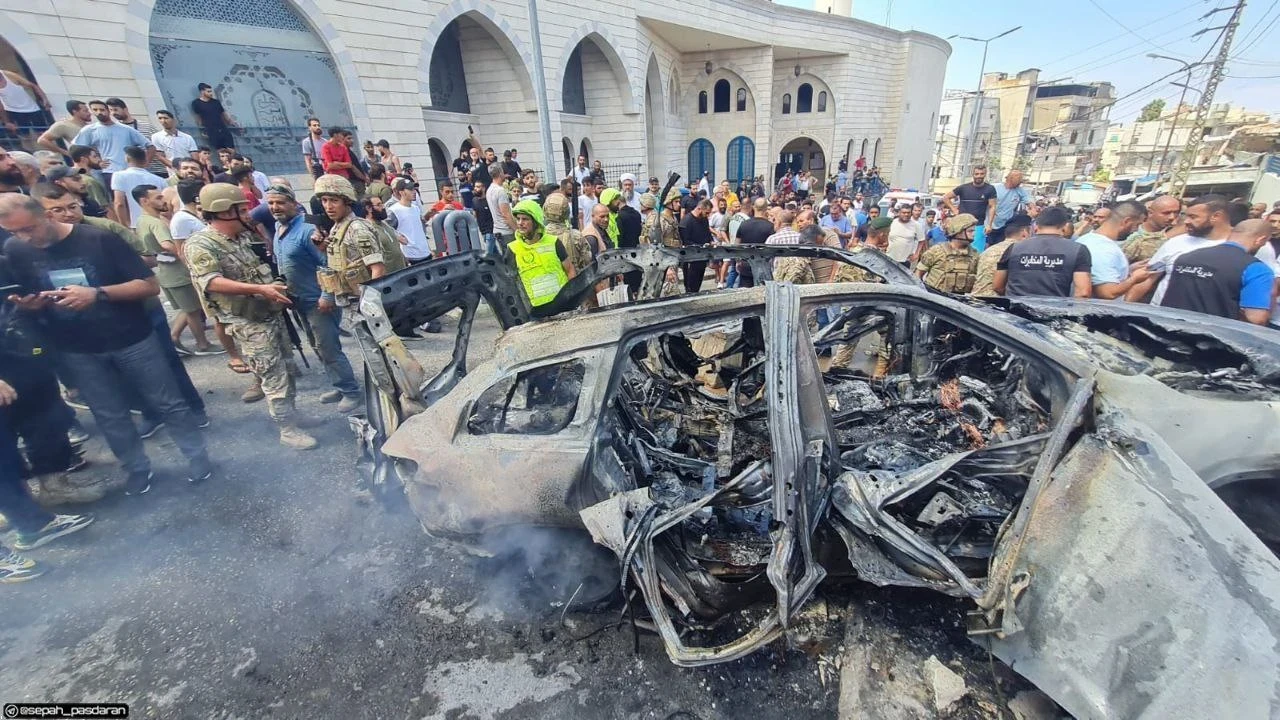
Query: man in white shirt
x=123 y=183
x=1207 y=224
x=499 y=202
x=581 y=172
x=629 y=194
x=704 y=185
x=408 y=213
x=172 y=145
x=904 y=237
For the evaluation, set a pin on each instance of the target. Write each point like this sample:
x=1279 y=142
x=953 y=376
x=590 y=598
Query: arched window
x=804 y=98
x=786 y=104
x=742 y=99
x=822 y=101
x=875 y=154
x=863 y=152
x=702 y=158
x=573 y=95
x=702 y=103
x=722 y=96
x=742 y=160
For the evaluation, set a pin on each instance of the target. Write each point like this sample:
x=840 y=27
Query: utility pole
x=1177 y=112
x=977 y=100
x=1192 y=149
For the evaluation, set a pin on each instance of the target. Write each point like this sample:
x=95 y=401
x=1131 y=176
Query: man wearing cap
x=239 y=292
x=407 y=211
x=629 y=194
x=655 y=187
x=354 y=253
x=555 y=210
x=540 y=259
x=952 y=266
x=70 y=179
x=299 y=259
x=668 y=229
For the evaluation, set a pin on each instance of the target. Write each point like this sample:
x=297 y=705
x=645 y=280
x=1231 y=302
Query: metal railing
x=275 y=150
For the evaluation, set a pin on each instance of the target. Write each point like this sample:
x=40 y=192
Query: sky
x=1079 y=41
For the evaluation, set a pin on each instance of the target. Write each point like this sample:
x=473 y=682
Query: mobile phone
x=1157 y=267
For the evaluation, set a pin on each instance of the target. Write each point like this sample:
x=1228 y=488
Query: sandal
x=238 y=366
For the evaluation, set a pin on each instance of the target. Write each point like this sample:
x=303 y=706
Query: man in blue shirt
x=1011 y=199
x=1109 y=270
x=839 y=222
x=933 y=231
x=110 y=138
x=299 y=258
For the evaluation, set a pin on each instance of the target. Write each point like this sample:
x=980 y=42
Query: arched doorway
x=270 y=88
x=439 y=161
x=584 y=149
x=655 y=119
x=862 y=152
x=566 y=146
x=741 y=163
x=12 y=61
x=875 y=154
x=801 y=153
x=702 y=158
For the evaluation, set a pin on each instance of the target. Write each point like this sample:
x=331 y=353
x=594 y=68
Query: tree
x=1102 y=175
x=1151 y=111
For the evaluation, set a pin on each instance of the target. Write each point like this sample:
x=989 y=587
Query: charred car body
x=1082 y=471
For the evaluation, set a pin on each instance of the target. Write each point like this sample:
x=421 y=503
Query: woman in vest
x=541 y=260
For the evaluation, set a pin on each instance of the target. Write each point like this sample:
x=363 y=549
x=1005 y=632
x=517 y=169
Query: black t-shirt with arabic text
x=1043 y=265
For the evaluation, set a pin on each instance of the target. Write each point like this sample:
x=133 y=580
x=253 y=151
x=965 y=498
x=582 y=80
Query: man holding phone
x=89 y=287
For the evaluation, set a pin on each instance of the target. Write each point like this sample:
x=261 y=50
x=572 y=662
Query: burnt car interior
x=916 y=463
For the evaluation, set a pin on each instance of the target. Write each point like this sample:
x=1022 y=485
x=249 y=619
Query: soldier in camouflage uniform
x=1016 y=230
x=798 y=270
x=877 y=238
x=388 y=236
x=237 y=289
x=951 y=266
x=1143 y=243
x=669 y=228
x=354 y=249
x=555 y=212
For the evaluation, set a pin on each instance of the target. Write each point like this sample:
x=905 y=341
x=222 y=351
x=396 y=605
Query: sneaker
x=138 y=484
x=411 y=336
x=148 y=430
x=291 y=436
x=15 y=569
x=76 y=434
x=199 y=470
x=202 y=420
x=183 y=350
x=350 y=404
x=253 y=394
x=210 y=350
x=59 y=526
x=78 y=463
x=332 y=396
x=433 y=327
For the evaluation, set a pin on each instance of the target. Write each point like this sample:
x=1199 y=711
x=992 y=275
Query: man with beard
x=951 y=266
x=239 y=291
x=977 y=198
x=171 y=270
x=299 y=260
x=1142 y=243
x=73 y=182
x=389 y=238
x=1225 y=279
x=1207 y=225
x=1109 y=271
x=626 y=224
x=110 y=139
x=629 y=195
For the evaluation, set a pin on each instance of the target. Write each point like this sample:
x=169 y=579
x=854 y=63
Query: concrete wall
x=382 y=51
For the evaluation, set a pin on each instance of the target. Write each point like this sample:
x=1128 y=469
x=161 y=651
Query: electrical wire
x=1128 y=29
x=1170 y=16
x=1258 y=31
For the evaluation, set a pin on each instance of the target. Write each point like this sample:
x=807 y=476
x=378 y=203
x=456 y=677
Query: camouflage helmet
x=335 y=185
x=556 y=207
x=220 y=197
x=648 y=201
x=959 y=223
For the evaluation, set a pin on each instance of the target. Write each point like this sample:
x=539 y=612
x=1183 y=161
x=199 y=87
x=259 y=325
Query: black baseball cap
x=653 y=179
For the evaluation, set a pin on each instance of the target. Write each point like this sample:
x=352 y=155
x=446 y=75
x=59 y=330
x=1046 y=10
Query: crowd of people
x=113 y=212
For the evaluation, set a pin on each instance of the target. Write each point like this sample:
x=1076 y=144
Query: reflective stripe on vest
x=540 y=269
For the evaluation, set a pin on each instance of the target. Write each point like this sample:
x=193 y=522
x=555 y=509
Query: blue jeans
x=490 y=244
x=731 y=279
x=104 y=380
x=15 y=503
x=329 y=348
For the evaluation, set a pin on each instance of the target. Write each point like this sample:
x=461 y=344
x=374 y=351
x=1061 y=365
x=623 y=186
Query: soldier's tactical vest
x=346 y=271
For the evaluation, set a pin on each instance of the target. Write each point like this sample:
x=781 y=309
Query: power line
x=1112 y=58
x=1128 y=29
x=1249 y=38
x=1170 y=16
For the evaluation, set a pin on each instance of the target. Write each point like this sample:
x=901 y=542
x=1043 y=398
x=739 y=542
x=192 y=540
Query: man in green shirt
x=171 y=271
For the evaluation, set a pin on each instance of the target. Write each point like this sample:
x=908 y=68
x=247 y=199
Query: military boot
x=293 y=437
x=254 y=393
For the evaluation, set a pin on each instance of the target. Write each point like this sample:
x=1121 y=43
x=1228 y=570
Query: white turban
x=628 y=176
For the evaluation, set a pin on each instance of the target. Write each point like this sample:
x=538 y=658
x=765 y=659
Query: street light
x=1187 y=67
x=977 y=105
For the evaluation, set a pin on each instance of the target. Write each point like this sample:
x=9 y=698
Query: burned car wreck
x=1099 y=480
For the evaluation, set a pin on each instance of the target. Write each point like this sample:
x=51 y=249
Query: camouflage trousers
x=266 y=351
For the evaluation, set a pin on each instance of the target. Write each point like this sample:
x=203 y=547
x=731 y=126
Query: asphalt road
x=270 y=591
